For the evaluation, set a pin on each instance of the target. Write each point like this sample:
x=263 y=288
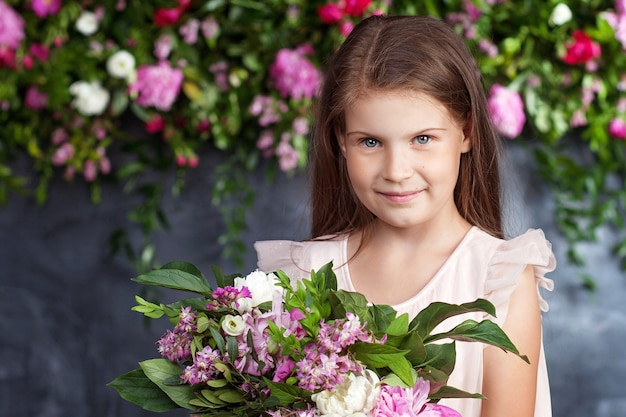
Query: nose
x=398 y=165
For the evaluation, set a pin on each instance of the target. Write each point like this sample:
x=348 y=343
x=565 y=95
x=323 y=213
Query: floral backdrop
x=239 y=77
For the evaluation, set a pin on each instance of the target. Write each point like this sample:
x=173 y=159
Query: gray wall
x=66 y=328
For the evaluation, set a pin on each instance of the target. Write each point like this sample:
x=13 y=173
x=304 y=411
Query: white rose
x=233 y=325
x=561 y=14
x=356 y=396
x=90 y=98
x=262 y=286
x=121 y=64
x=87 y=23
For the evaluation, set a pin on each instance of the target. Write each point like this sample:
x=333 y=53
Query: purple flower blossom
x=157 y=85
x=175 y=346
x=202 y=369
x=294 y=75
x=189 y=31
x=163 y=46
x=228 y=297
x=210 y=27
x=11 y=27
x=507 y=111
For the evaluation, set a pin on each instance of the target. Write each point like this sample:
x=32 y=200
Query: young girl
x=406 y=203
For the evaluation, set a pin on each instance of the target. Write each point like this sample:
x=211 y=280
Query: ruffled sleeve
x=285 y=255
x=507 y=263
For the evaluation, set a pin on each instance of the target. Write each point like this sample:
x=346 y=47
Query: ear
x=466 y=141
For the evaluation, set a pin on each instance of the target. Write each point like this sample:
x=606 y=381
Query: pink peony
x=11 y=27
x=507 y=111
x=157 y=85
x=43 y=8
x=617 y=128
x=294 y=75
x=438 y=410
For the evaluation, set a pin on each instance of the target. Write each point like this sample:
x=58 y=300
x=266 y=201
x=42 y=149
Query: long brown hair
x=403 y=53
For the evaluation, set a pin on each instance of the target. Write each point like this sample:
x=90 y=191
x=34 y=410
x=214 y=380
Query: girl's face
x=403 y=153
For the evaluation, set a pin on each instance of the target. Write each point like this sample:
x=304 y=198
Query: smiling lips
x=400 y=197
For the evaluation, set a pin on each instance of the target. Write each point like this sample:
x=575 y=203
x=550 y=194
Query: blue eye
x=369 y=142
x=422 y=139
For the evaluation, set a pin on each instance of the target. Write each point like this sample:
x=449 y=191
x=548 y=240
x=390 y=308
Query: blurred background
x=137 y=133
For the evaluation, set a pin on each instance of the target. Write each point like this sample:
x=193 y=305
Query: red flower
x=155 y=124
x=329 y=13
x=167 y=17
x=356 y=7
x=582 y=49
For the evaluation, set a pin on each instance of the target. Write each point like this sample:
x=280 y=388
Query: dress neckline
x=345 y=269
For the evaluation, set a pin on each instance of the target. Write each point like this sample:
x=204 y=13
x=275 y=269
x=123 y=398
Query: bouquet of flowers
x=265 y=344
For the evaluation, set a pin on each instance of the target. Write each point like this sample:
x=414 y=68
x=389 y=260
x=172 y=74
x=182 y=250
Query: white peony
x=233 y=325
x=356 y=396
x=262 y=286
x=561 y=14
x=121 y=64
x=90 y=98
x=87 y=23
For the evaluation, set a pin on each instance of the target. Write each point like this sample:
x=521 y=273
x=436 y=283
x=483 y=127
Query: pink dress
x=482 y=266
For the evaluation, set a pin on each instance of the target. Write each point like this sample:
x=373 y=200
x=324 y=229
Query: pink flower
x=617 y=128
x=11 y=27
x=283 y=369
x=167 y=17
x=90 y=170
x=39 y=51
x=345 y=28
x=329 y=13
x=355 y=7
x=35 y=99
x=438 y=410
x=62 y=154
x=581 y=49
x=294 y=75
x=189 y=31
x=157 y=85
x=507 y=111
x=43 y=8
x=410 y=402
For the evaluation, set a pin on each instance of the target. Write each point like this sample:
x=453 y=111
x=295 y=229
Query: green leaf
x=343 y=302
x=222 y=280
x=285 y=393
x=429 y=318
x=399 y=327
x=486 y=332
x=136 y=388
x=376 y=356
x=417 y=352
x=179 y=276
x=160 y=370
